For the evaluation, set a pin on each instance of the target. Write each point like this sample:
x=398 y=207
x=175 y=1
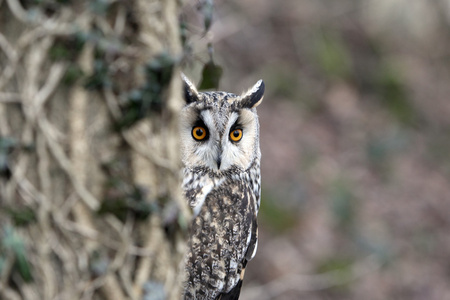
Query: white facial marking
x=240 y=153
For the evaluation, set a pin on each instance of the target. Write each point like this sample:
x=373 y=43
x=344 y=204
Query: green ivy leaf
x=149 y=97
x=207 y=8
x=6 y=145
x=211 y=75
x=67 y=47
x=21 y=216
x=73 y=73
x=99 y=7
x=123 y=200
x=100 y=77
x=14 y=243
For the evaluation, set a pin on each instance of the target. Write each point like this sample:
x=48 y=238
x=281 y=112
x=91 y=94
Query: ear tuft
x=190 y=91
x=253 y=97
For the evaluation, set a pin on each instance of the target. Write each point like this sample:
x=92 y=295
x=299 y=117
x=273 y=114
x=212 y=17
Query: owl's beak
x=218 y=161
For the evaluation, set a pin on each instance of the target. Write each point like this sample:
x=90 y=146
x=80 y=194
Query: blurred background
x=355 y=142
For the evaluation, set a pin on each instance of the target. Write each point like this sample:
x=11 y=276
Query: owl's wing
x=253 y=244
x=234 y=293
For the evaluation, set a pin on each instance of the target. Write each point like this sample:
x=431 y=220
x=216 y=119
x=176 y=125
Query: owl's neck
x=199 y=181
x=230 y=173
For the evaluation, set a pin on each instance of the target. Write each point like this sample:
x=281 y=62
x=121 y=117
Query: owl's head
x=220 y=131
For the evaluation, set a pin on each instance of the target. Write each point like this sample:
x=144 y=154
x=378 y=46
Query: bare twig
x=9 y=294
x=54 y=78
x=9 y=50
x=120 y=22
x=12 y=56
x=66 y=165
x=18 y=11
x=10 y=98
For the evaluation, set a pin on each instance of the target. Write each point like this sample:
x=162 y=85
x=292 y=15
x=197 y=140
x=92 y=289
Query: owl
x=222 y=184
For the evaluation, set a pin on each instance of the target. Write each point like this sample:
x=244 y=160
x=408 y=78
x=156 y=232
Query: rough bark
x=90 y=205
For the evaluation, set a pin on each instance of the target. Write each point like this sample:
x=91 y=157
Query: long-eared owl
x=222 y=184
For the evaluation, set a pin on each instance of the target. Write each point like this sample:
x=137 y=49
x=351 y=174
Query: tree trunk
x=90 y=204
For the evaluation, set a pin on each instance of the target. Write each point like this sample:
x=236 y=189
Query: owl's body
x=221 y=156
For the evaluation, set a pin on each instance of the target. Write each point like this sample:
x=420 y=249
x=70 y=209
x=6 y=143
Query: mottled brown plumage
x=220 y=151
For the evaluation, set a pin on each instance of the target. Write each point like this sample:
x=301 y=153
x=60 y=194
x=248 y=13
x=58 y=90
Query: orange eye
x=236 y=135
x=199 y=133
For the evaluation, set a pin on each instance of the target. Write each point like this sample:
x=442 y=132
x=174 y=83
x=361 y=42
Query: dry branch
x=67 y=160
